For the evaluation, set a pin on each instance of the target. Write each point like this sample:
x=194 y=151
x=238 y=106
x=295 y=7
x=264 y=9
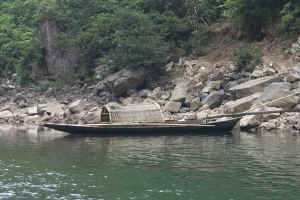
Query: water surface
x=51 y=165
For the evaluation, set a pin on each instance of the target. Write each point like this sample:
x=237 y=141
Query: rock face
x=59 y=61
x=276 y=91
x=120 y=82
x=253 y=86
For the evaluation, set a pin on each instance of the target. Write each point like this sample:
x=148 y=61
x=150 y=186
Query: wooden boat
x=143 y=119
x=171 y=127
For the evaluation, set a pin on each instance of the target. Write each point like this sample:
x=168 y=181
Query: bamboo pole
x=259 y=112
x=253 y=113
x=275 y=100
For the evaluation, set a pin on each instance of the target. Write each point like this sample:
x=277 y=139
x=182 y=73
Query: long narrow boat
x=171 y=127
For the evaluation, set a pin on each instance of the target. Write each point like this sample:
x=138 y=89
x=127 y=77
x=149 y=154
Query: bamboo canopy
x=115 y=113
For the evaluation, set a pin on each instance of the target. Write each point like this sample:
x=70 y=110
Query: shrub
x=246 y=58
x=290 y=17
x=44 y=85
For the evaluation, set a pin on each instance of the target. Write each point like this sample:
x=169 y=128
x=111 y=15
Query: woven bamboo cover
x=136 y=113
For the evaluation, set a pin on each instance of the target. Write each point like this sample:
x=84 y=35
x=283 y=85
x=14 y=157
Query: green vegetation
x=246 y=57
x=130 y=33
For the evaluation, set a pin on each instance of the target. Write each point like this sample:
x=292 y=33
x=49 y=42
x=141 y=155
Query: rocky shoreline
x=190 y=89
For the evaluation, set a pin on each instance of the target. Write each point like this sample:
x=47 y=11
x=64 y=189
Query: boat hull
x=149 y=129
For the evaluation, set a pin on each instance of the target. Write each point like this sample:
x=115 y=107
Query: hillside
x=186 y=55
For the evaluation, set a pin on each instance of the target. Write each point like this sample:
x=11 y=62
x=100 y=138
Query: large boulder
x=195 y=104
x=293 y=76
x=92 y=116
x=52 y=110
x=180 y=92
x=122 y=81
x=252 y=86
x=214 y=99
x=77 y=107
x=173 y=106
x=242 y=104
x=6 y=114
x=250 y=121
x=263 y=71
x=267 y=117
x=274 y=94
x=212 y=86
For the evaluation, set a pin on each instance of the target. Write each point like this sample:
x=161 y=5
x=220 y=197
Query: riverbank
x=192 y=88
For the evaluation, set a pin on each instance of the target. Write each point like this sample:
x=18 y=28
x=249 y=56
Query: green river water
x=51 y=165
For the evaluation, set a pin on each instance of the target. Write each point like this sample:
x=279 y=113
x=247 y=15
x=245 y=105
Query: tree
x=252 y=15
x=290 y=16
x=131 y=39
x=19 y=44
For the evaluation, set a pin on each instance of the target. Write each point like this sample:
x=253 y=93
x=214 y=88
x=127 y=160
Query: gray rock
x=253 y=86
x=293 y=77
x=8 y=87
x=144 y=93
x=267 y=117
x=195 y=104
x=121 y=81
x=6 y=114
x=180 y=92
x=250 y=121
x=165 y=96
x=132 y=92
x=265 y=71
x=18 y=98
x=242 y=104
x=93 y=116
x=21 y=101
x=214 y=99
x=173 y=107
x=156 y=93
x=77 y=107
x=211 y=86
x=276 y=91
x=169 y=66
x=53 y=109
x=2 y=91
